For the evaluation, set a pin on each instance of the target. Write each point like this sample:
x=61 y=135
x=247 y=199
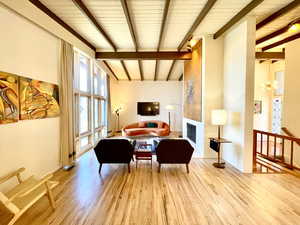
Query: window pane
x=84 y=114
x=96 y=113
x=103 y=113
x=84 y=74
x=103 y=84
x=84 y=142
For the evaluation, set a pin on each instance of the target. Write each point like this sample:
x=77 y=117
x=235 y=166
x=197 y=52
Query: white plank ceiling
x=147 y=15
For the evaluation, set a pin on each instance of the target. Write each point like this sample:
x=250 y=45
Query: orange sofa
x=140 y=128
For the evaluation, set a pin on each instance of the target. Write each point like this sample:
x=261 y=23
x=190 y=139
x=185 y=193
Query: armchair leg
x=159 y=167
x=187 y=168
x=100 y=167
x=128 y=167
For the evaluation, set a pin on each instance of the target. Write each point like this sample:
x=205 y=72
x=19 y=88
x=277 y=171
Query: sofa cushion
x=152 y=125
x=142 y=124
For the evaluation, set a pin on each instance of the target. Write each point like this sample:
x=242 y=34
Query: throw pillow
x=151 y=125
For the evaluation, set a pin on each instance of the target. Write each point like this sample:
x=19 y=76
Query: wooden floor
x=144 y=197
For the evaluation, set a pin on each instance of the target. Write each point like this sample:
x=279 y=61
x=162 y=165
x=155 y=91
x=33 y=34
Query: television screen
x=148 y=108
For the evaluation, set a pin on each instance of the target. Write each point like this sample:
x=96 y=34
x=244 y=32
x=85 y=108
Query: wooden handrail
x=286 y=131
x=270 y=150
x=278 y=135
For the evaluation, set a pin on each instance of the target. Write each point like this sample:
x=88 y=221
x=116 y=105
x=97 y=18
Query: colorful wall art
x=24 y=98
x=193 y=85
x=9 y=98
x=38 y=99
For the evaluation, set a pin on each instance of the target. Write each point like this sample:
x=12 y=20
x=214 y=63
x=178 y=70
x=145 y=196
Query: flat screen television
x=148 y=108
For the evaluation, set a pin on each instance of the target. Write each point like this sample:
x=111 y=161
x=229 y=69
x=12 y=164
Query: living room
x=141 y=112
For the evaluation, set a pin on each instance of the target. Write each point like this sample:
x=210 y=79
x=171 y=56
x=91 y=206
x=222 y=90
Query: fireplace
x=191 y=132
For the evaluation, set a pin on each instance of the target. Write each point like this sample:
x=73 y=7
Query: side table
x=215 y=144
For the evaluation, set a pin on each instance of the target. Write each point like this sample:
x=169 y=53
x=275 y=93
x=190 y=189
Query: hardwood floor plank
x=205 y=196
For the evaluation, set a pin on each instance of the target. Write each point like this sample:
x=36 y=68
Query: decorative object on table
x=20 y=198
x=170 y=108
x=9 y=98
x=38 y=99
x=257 y=107
x=215 y=144
x=219 y=118
x=142 y=128
x=117 y=112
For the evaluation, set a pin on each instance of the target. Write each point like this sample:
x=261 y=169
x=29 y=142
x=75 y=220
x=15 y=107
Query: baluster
x=275 y=147
x=282 y=150
x=268 y=140
x=292 y=154
x=254 y=149
x=261 y=143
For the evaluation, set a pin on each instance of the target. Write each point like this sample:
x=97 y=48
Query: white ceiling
x=146 y=16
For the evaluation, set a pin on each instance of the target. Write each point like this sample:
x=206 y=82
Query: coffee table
x=143 y=152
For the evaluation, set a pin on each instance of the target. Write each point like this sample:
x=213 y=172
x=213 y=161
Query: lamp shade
x=218 y=117
x=170 y=107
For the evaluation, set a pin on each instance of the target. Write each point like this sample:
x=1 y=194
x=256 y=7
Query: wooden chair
x=26 y=193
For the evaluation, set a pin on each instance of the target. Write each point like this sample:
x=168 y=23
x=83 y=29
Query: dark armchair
x=114 y=151
x=174 y=151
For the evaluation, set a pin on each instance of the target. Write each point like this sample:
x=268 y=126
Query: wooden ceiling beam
x=278 y=13
x=110 y=69
x=272 y=35
x=129 y=23
x=141 y=70
x=132 y=33
x=209 y=4
x=53 y=16
x=248 y=8
x=161 y=33
x=171 y=69
x=144 y=55
x=181 y=77
x=163 y=23
x=125 y=69
x=278 y=43
x=80 y=5
x=269 y=55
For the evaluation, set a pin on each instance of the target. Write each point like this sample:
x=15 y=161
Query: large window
x=90 y=102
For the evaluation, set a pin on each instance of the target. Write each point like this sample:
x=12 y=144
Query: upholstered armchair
x=114 y=151
x=174 y=151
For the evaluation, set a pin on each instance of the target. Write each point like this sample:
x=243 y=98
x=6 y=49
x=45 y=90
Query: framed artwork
x=193 y=85
x=9 y=98
x=257 y=107
x=38 y=99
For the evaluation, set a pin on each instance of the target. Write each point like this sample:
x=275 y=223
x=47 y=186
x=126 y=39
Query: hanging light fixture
x=294 y=26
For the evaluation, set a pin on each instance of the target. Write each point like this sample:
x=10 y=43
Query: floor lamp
x=170 y=108
x=117 y=112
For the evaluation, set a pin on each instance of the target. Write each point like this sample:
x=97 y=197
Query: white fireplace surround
x=199 y=145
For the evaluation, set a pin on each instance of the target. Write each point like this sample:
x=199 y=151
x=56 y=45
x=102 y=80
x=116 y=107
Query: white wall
x=128 y=93
x=239 y=63
x=262 y=76
x=29 y=51
x=213 y=57
x=291 y=106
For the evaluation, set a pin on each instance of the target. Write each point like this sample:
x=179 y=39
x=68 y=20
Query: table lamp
x=219 y=118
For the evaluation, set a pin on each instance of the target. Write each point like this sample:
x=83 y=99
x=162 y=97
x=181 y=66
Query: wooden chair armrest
x=11 y=175
x=31 y=188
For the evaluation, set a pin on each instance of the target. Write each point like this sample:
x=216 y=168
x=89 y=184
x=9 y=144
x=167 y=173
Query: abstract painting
x=38 y=99
x=193 y=85
x=9 y=99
